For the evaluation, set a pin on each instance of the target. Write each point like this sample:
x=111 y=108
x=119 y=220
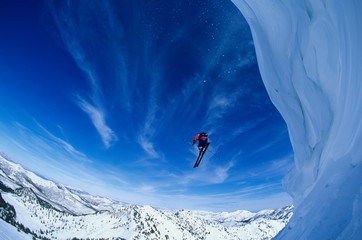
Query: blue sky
x=107 y=95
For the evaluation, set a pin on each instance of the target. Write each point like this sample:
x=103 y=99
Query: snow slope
x=310 y=58
x=9 y=232
x=54 y=211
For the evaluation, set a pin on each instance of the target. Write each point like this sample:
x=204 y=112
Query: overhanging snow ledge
x=310 y=62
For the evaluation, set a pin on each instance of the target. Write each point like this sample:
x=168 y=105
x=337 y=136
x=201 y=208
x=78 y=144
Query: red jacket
x=198 y=137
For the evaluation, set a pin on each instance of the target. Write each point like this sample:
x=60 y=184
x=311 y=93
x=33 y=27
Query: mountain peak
x=54 y=211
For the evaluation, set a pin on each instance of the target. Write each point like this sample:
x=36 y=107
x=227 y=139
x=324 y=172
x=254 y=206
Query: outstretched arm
x=195 y=139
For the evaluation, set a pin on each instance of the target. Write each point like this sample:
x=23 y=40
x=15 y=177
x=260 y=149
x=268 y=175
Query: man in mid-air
x=203 y=141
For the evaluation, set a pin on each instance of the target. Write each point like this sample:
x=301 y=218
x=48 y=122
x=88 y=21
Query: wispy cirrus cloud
x=40 y=141
x=82 y=44
x=97 y=116
x=147 y=145
x=221 y=104
x=209 y=174
x=40 y=150
x=61 y=143
x=222 y=173
x=226 y=88
x=146 y=133
x=278 y=167
x=151 y=106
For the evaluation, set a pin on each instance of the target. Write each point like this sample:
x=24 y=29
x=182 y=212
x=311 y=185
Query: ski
x=201 y=154
x=197 y=159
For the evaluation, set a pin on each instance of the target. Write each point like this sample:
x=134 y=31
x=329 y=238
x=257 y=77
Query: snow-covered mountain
x=309 y=56
x=48 y=210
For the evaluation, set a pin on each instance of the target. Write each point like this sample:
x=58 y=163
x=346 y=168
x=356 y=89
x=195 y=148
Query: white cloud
x=76 y=40
x=221 y=104
x=147 y=146
x=222 y=173
x=111 y=184
x=61 y=143
x=42 y=141
x=147 y=131
x=97 y=116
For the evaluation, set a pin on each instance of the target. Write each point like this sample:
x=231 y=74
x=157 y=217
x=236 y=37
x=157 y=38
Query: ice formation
x=310 y=58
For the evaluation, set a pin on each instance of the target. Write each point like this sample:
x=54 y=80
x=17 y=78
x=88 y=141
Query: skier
x=203 y=141
x=203 y=145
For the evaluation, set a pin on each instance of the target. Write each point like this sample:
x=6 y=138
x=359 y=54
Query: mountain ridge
x=48 y=210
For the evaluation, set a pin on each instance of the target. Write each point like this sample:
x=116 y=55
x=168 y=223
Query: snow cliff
x=310 y=60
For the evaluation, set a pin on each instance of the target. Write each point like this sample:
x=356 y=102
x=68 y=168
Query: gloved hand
x=193 y=144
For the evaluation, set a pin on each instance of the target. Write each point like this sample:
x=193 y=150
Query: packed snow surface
x=9 y=232
x=310 y=58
